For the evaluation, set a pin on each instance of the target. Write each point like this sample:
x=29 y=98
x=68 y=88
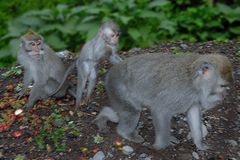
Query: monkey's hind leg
x=127 y=126
x=81 y=83
x=106 y=114
x=36 y=93
x=91 y=83
x=162 y=124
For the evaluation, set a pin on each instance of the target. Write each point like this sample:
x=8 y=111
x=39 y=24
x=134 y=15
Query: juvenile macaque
x=167 y=85
x=42 y=67
x=102 y=46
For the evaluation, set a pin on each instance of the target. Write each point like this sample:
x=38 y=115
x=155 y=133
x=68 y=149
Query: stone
x=195 y=155
x=127 y=150
x=99 y=156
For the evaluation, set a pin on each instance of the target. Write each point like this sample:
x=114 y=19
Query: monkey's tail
x=68 y=71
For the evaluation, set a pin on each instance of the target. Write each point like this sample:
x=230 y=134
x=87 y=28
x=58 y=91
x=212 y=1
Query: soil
x=223 y=122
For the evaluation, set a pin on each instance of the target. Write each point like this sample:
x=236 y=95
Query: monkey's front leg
x=195 y=124
x=115 y=58
x=36 y=93
x=26 y=82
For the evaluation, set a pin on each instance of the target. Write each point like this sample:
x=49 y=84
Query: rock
x=195 y=155
x=134 y=50
x=184 y=46
x=144 y=156
x=127 y=150
x=99 y=156
x=232 y=143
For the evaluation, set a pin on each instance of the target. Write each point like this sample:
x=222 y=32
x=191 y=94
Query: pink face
x=34 y=48
x=111 y=36
x=114 y=38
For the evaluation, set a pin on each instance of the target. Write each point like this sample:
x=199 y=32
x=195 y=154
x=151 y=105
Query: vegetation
x=68 y=24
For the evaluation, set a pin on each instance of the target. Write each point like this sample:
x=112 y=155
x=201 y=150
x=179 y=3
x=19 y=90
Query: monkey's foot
x=102 y=125
x=134 y=137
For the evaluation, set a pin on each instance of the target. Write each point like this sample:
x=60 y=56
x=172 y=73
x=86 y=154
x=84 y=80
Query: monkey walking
x=102 y=46
x=42 y=66
x=167 y=85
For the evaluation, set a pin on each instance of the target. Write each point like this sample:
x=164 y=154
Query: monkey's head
x=33 y=44
x=110 y=33
x=212 y=76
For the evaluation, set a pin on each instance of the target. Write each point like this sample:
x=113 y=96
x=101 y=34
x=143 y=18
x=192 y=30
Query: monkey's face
x=34 y=48
x=111 y=37
x=213 y=88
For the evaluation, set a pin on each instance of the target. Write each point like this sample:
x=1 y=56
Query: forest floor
x=53 y=130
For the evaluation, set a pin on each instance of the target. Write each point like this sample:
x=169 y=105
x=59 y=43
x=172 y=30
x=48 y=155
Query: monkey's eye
x=32 y=44
x=39 y=42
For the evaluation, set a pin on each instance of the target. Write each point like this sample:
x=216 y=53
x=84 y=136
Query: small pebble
x=232 y=143
x=195 y=155
x=127 y=150
x=99 y=156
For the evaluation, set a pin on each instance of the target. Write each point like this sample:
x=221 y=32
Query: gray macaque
x=42 y=67
x=102 y=46
x=167 y=85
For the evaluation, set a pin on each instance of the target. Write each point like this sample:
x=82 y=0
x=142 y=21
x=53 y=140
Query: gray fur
x=167 y=85
x=92 y=52
x=46 y=73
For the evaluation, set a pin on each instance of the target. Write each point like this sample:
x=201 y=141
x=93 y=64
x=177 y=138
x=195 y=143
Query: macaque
x=167 y=85
x=42 y=67
x=103 y=45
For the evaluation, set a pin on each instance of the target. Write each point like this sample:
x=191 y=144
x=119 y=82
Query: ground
x=53 y=130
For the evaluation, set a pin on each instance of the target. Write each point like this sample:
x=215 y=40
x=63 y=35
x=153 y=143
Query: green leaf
x=157 y=3
x=222 y=8
x=148 y=14
x=235 y=30
x=14 y=46
x=169 y=26
x=54 y=41
x=134 y=33
x=83 y=27
x=125 y=19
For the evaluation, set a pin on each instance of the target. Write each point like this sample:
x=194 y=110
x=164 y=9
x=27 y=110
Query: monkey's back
x=154 y=79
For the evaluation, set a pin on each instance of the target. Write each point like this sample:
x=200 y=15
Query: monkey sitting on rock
x=167 y=85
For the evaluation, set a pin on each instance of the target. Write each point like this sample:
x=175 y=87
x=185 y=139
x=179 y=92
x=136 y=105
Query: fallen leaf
x=17 y=134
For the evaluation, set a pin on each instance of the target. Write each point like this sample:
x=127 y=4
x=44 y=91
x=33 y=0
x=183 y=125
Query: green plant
x=68 y=26
x=98 y=139
x=54 y=130
x=14 y=71
x=100 y=87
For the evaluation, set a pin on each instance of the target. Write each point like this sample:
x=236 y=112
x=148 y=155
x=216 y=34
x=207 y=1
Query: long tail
x=68 y=71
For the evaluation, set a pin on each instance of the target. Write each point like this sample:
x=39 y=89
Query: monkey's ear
x=204 y=69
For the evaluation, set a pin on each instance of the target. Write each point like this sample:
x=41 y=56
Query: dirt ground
x=222 y=122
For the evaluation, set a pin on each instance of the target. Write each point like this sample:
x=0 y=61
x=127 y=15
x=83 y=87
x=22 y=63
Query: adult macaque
x=167 y=85
x=42 y=66
x=103 y=45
